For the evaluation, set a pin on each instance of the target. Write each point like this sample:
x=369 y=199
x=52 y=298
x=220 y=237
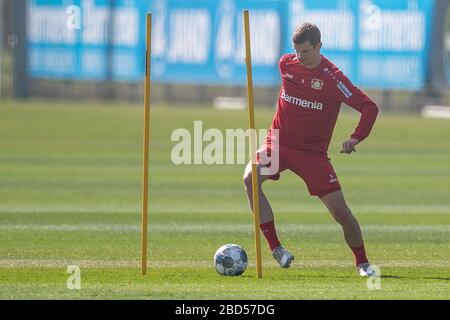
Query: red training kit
x=309 y=104
x=308 y=108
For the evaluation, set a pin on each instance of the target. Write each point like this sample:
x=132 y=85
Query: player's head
x=307 y=44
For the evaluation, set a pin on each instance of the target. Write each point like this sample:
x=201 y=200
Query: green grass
x=70 y=179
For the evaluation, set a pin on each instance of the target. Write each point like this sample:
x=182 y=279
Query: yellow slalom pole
x=146 y=147
x=251 y=119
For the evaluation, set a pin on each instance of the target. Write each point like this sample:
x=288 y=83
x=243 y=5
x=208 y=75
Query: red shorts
x=315 y=169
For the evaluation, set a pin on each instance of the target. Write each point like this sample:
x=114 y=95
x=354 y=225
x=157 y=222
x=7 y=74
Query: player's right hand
x=349 y=146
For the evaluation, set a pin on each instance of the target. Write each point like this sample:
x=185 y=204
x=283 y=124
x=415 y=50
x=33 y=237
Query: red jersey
x=309 y=104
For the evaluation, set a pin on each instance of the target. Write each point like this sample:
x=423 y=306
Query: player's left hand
x=349 y=146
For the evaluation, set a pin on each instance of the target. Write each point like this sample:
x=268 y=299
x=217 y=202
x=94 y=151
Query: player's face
x=307 y=54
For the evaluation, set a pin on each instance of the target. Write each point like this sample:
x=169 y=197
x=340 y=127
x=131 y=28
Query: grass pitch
x=70 y=178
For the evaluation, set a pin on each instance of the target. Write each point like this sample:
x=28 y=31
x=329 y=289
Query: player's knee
x=247 y=178
x=343 y=215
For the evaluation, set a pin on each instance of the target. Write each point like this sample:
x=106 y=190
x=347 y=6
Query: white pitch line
x=207 y=263
x=207 y=228
x=61 y=263
x=170 y=208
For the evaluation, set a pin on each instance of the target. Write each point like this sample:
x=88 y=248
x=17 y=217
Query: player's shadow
x=438 y=278
x=385 y=276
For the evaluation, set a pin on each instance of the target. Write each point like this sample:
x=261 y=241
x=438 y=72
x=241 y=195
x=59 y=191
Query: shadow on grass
x=434 y=278
x=330 y=276
x=421 y=278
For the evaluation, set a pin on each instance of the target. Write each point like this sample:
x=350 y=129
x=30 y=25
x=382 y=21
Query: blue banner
x=86 y=39
x=377 y=43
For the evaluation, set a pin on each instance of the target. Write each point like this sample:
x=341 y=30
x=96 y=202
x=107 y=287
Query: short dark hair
x=307 y=32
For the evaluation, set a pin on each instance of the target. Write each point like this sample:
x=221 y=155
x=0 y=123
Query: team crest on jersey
x=316 y=84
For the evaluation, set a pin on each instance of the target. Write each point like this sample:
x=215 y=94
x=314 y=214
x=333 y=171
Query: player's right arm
x=358 y=100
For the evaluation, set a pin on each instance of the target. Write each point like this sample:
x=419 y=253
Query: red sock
x=360 y=255
x=268 y=229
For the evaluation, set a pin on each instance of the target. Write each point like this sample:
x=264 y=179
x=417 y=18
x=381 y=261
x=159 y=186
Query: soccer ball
x=230 y=260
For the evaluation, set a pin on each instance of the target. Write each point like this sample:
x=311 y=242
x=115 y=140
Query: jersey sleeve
x=356 y=99
x=283 y=60
x=282 y=63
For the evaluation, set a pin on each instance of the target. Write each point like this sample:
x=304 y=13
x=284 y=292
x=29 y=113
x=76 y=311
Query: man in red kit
x=312 y=91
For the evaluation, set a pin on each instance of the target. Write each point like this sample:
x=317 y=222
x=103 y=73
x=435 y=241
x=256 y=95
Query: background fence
x=397 y=50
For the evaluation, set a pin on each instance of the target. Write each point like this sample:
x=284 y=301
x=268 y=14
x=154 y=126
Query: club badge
x=316 y=84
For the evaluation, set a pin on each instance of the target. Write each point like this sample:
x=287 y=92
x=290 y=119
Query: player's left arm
x=358 y=100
